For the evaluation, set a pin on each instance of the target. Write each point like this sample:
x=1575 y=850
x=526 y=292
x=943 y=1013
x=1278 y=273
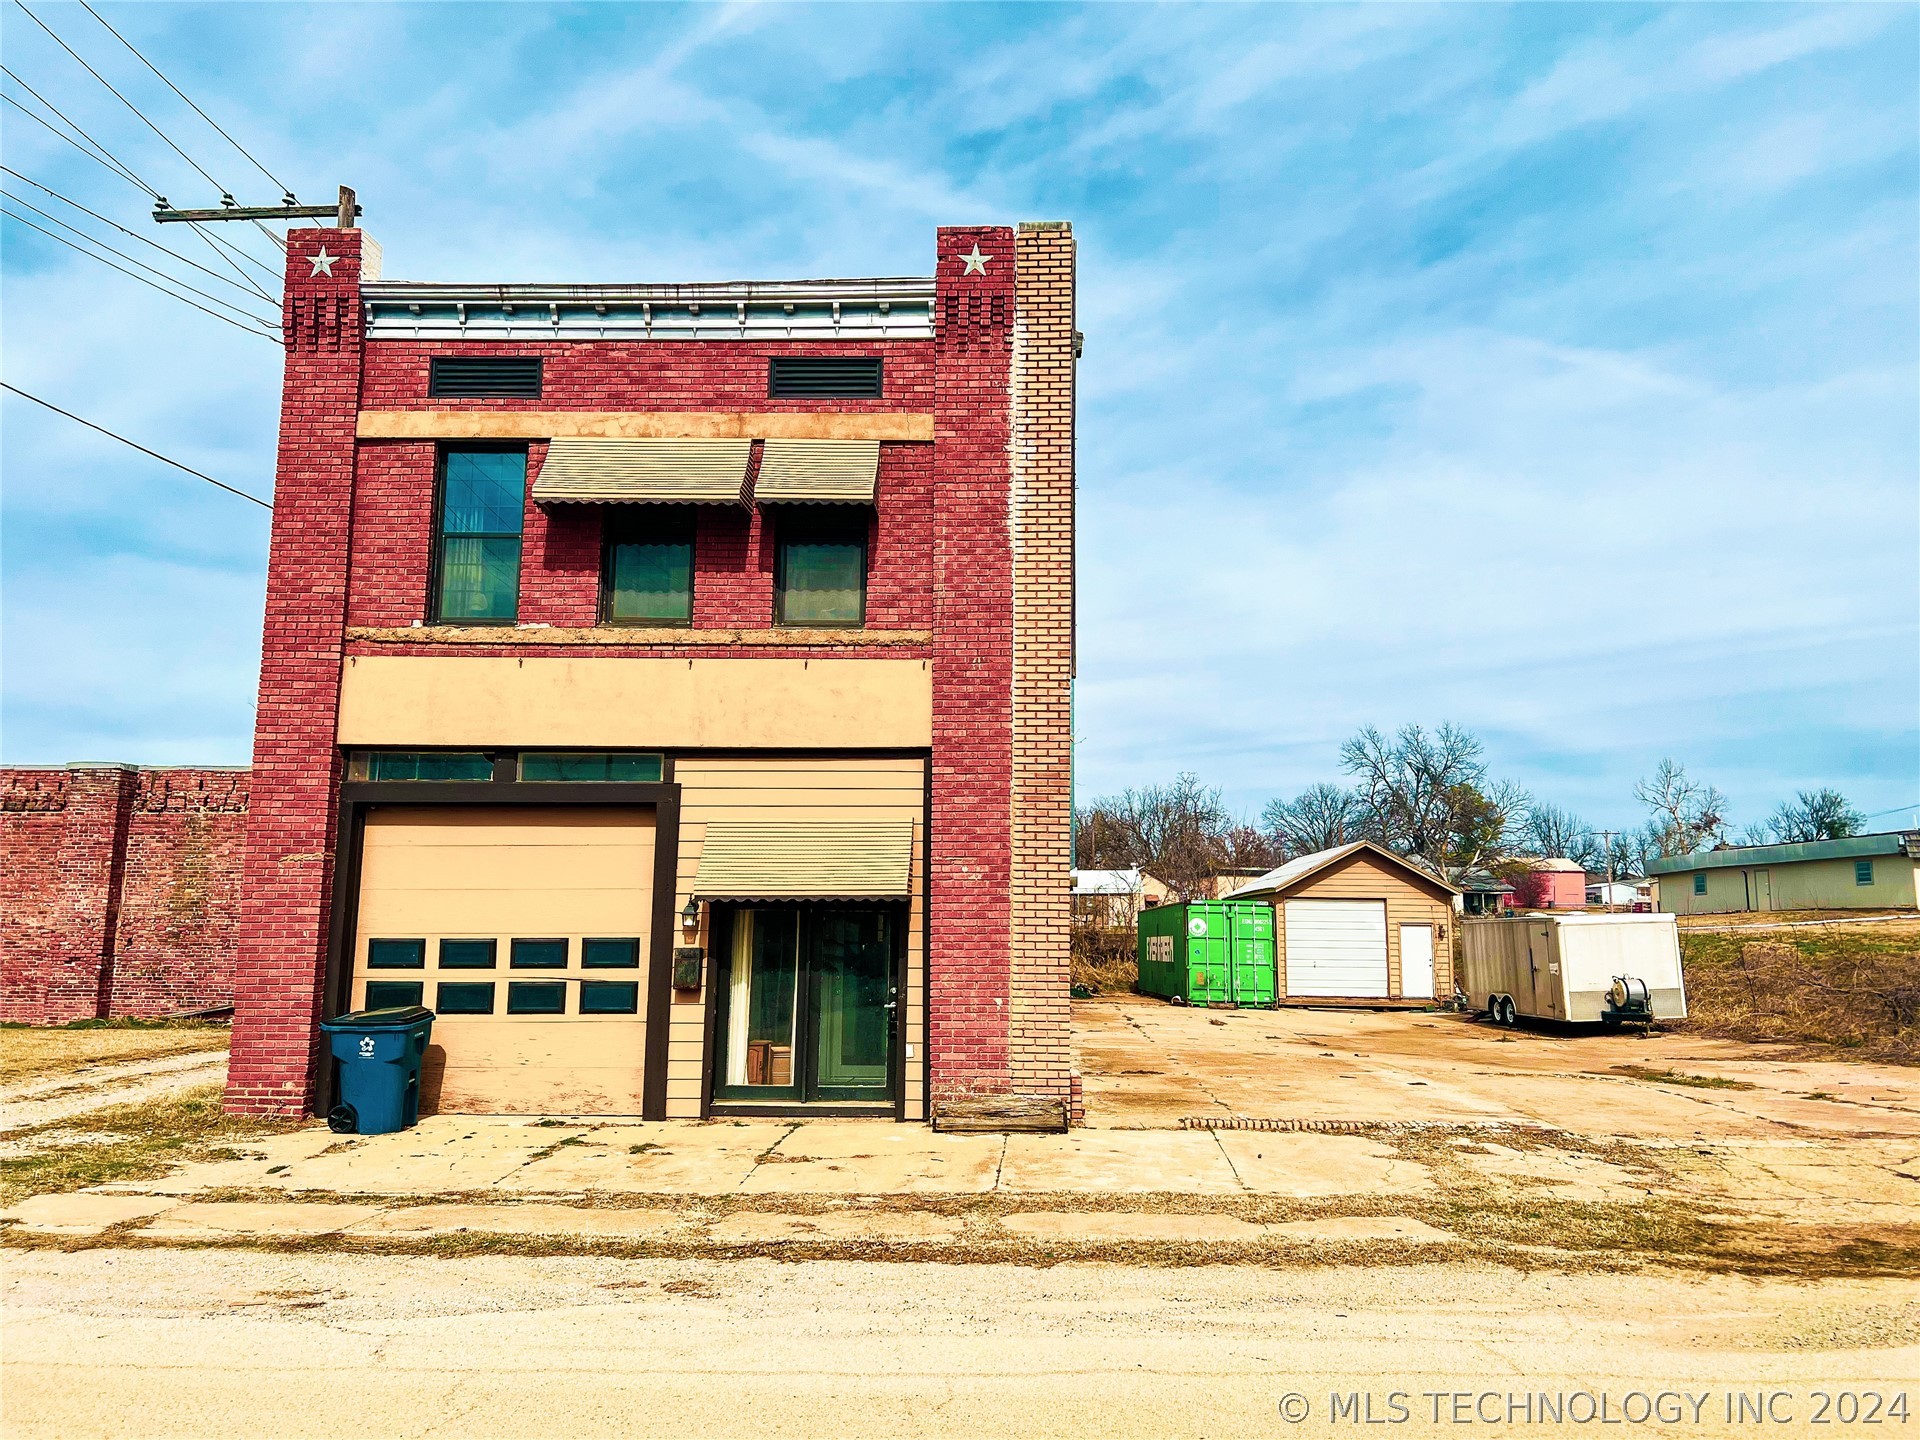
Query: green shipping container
x=1212 y=952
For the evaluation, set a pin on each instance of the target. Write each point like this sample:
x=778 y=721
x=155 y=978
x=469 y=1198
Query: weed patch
x=145 y=1141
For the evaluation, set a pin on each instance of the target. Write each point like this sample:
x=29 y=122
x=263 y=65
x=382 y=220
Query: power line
x=285 y=189
x=263 y=504
x=251 y=330
x=130 y=234
x=225 y=194
x=104 y=158
x=121 y=98
x=92 y=240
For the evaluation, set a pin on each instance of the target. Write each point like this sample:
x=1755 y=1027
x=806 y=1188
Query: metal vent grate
x=463 y=377
x=822 y=377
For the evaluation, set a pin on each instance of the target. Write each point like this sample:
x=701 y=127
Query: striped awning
x=806 y=860
x=682 y=471
x=838 y=472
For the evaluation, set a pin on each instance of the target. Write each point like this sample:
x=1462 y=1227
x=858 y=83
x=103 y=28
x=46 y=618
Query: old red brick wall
x=280 y=965
x=971 y=873
x=118 y=890
x=562 y=545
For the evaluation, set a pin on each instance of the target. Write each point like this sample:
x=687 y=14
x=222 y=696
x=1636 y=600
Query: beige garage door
x=525 y=931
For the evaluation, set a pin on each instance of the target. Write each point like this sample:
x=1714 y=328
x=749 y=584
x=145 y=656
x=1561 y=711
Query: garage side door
x=525 y=930
x=1337 y=948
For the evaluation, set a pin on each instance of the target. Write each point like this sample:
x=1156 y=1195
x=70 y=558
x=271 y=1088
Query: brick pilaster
x=280 y=966
x=1043 y=658
x=85 y=914
x=968 y=909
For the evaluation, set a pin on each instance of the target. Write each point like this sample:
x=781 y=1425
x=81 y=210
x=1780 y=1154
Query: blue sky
x=1548 y=369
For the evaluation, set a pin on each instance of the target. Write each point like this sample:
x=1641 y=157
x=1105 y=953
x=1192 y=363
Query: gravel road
x=234 y=1343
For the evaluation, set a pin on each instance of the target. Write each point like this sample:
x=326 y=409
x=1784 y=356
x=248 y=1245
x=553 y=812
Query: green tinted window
x=467 y=954
x=589 y=766
x=1863 y=872
x=609 y=997
x=482 y=499
x=537 y=997
x=465 y=997
x=391 y=994
x=396 y=954
x=419 y=765
x=1700 y=884
x=650 y=569
x=538 y=955
x=821 y=572
x=610 y=954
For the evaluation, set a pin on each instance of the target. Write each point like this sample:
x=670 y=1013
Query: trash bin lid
x=395 y=1017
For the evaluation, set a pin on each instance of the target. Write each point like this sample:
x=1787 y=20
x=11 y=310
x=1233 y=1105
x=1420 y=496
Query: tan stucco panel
x=605 y=701
x=641 y=425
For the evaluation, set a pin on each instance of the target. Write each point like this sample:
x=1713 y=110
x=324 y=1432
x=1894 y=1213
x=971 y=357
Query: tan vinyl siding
x=753 y=788
x=1362 y=877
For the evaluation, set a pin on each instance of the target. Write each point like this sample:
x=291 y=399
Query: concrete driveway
x=1146 y=1064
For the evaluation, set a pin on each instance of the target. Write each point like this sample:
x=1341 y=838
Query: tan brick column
x=1041 y=1052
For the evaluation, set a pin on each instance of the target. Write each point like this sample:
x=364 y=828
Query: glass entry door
x=806 y=1005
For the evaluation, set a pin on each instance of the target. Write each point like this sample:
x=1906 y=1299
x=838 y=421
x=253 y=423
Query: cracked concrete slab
x=81 y=1213
x=1130 y=1225
x=891 y=1226
x=520 y=1219
x=210 y=1218
x=1305 y=1164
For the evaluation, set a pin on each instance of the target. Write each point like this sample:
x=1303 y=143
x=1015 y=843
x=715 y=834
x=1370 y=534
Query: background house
x=1861 y=872
x=1107 y=899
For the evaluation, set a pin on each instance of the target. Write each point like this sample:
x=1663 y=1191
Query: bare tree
x=1688 y=815
x=1814 y=815
x=1319 y=818
x=1428 y=797
x=1550 y=832
x=1182 y=832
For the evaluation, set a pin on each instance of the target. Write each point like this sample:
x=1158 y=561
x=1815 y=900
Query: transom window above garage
x=579 y=767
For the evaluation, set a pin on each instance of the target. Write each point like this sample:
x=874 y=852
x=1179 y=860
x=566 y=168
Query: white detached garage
x=1358 y=923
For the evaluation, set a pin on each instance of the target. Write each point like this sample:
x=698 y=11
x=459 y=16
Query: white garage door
x=1337 y=948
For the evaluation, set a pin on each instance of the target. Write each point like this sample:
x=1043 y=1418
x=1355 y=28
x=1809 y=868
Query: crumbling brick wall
x=118 y=890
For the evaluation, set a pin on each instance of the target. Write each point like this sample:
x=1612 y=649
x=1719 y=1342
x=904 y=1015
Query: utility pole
x=342 y=214
x=1607 y=837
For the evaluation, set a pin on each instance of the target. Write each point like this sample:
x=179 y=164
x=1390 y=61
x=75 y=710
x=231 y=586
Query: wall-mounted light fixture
x=690 y=917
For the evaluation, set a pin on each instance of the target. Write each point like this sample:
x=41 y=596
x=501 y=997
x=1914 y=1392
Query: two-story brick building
x=670 y=686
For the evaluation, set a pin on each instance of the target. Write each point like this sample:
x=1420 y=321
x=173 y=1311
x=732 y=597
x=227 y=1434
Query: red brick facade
x=349 y=575
x=119 y=890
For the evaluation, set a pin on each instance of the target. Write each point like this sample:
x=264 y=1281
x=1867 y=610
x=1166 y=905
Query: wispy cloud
x=1550 y=369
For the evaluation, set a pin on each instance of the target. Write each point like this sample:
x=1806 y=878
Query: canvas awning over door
x=834 y=472
x=806 y=860
x=579 y=468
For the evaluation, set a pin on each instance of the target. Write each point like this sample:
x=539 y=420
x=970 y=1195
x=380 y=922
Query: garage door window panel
x=396 y=954
x=468 y=954
x=609 y=997
x=538 y=955
x=391 y=994
x=537 y=997
x=465 y=997
x=606 y=954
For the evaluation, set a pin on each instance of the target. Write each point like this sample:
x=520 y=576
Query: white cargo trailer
x=1573 y=967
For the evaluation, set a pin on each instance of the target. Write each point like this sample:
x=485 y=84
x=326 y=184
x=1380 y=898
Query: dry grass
x=1760 y=918
x=139 y=1142
x=1853 y=991
x=1104 y=960
x=35 y=1052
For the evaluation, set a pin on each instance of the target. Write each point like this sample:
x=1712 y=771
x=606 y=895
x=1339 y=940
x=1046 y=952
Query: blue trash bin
x=380 y=1054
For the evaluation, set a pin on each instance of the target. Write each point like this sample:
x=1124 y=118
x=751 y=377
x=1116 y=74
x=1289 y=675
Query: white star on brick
x=323 y=262
x=976 y=263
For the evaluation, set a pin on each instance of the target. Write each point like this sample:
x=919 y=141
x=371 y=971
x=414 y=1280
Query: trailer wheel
x=1508 y=1015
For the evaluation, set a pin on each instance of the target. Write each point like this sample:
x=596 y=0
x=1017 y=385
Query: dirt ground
x=211 y=1344
x=1146 y=1064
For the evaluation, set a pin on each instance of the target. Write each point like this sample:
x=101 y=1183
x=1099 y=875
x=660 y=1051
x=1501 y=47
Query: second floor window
x=477 y=559
x=820 y=571
x=649 y=572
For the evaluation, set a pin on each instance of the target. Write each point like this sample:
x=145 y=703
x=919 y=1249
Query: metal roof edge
x=1888 y=842
x=892 y=287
